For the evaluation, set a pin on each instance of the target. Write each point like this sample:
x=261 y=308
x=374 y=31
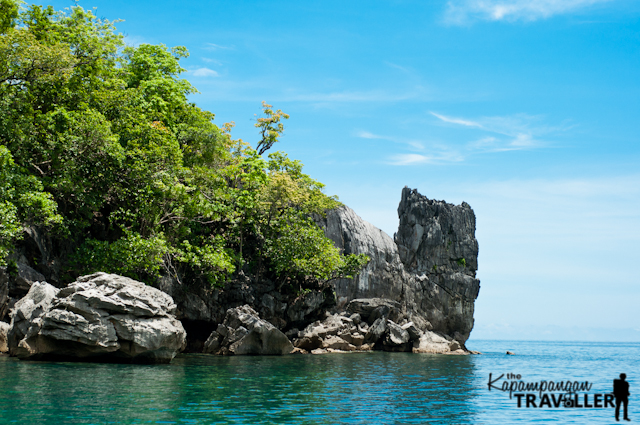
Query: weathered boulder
x=396 y=335
x=376 y=331
x=336 y=332
x=414 y=332
x=101 y=317
x=244 y=333
x=336 y=343
x=433 y=343
x=27 y=311
x=4 y=332
x=371 y=309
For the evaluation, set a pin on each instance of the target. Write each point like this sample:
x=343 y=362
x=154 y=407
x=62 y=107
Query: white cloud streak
x=496 y=134
x=508 y=133
x=461 y=12
x=204 y=72
x=368 y=135
x=212 y=46
x=456 y=120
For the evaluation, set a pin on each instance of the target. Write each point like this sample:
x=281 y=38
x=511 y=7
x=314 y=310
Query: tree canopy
x=101 y=147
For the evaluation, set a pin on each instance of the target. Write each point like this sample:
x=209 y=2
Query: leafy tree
x=22 y=202
x=99 y=142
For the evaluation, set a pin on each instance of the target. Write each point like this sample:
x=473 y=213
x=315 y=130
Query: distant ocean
x=358 y=388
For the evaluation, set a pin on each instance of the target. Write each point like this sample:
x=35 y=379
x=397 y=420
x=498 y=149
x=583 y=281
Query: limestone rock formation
x=426 y=276
x=340 y=332
x=244 y=333
x=99 y=317
x=437 y=245
x=27 y=312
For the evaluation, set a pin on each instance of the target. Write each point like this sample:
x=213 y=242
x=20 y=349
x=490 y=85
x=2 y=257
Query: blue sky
x=529 y=110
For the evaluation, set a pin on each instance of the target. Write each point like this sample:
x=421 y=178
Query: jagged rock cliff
x=429 y=269
x=426 y=273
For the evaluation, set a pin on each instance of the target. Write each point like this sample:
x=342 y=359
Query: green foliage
x=270 y=127
x=462 y=262
x=303 y=250
x=131 y=255
x=22 y=202
x=99 y=142
x=8 y=14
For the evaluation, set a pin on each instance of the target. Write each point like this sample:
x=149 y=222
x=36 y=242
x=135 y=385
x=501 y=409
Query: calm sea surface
x=359 y=388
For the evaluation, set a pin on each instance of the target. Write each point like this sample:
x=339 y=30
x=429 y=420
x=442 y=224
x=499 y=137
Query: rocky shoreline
x=416 y=295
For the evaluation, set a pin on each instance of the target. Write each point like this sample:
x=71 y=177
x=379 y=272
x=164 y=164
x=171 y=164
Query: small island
x=132 y=227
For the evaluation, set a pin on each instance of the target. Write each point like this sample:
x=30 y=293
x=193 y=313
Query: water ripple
x=362 y=388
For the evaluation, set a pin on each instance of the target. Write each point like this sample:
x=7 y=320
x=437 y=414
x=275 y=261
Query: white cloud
x=212 y=46
x=495 y=134
x=456 y=120
x=410 y=159
x=461 y=12
x=204 y=72
x=368 y=135
x=440 y=156
x=209 y=60
x=508 y=133
x=396 y=66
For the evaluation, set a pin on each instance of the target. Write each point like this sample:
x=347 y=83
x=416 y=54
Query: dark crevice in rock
x=197 y=333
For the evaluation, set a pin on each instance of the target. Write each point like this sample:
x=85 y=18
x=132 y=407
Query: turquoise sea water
x=358 y=388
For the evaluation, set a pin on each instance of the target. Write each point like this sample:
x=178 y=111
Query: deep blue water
x=358 y=388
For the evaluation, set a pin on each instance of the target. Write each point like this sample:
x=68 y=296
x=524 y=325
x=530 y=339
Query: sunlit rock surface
x=102 y=317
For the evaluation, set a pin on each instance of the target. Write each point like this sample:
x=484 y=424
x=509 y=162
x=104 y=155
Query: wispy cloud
x=460 y=12
x=204 y=72
x=399 y=67
x=440 y=157
x=368 y=135
x=460 y=121
x=492 y=134
x=209 y=60
x=506 y=133
x=213 y=46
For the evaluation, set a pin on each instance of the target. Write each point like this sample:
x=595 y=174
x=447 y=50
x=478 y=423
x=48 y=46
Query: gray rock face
x=4 y=331
x=384 y=276
x=201 y=307
x=244 y=333
x=432 y=343
x=100 y=316
x=27 y=312
x=15 y=285
x=426 y=276
x=338 y=332
x=436 y=243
